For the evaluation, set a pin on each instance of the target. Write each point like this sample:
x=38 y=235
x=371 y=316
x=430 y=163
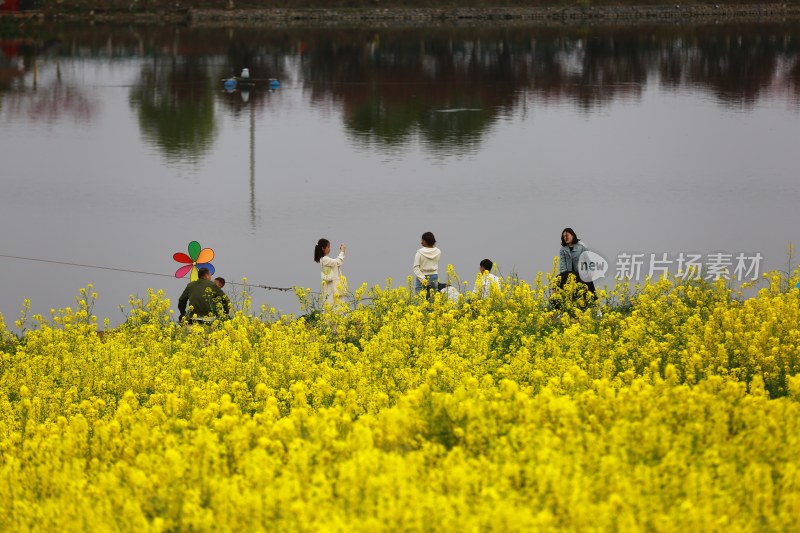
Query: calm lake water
x=119 y=146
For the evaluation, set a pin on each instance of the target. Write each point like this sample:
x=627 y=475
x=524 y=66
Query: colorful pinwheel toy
x=198 y=258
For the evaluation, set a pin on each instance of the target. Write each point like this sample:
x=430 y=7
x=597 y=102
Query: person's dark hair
x=429 y=239
x=203 y=272
x=221 y=282
x=319 y=249
x=575 y=238
x=487 y=264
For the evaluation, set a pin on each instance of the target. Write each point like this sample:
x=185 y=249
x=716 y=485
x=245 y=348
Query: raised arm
x=328 y=262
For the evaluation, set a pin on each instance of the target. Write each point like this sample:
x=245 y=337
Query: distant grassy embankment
x=335 y=11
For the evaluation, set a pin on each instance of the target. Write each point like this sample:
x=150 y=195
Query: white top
x=451 y=293
x=331 y=268
x=484 y=282
x=426 y=262
x=332 y=278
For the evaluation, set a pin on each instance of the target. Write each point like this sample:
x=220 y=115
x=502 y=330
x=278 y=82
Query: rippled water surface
x=119 y=146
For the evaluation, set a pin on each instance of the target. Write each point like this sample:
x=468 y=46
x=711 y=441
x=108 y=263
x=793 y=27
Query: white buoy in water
x=245 y=73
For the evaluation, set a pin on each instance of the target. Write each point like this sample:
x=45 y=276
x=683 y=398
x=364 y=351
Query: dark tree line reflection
x=445 y=86
x=449 y=86
x=395 y=85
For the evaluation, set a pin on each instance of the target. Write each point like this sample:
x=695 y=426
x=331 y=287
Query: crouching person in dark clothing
x=573 y=291
x=206 y=300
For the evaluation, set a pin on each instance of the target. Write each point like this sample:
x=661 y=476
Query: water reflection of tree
x=37 y=86
x=175 y=103
x=590 y=69
x=392 y=84
x=449 y=87
x=736 y=64
x=52 y=101
x=395 y=85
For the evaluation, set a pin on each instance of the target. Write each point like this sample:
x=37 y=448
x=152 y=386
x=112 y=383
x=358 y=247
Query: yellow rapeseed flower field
x=676 y=409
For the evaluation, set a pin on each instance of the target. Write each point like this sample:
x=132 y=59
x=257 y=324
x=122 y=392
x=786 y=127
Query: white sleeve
x=335 y=262
x=415 y=269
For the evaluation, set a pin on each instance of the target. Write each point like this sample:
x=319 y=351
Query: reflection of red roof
x=10 y=5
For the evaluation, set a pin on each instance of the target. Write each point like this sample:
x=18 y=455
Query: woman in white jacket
x=426 y=265
x=332 y=283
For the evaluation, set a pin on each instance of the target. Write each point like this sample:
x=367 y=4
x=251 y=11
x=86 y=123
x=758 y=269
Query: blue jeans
x=431 y=288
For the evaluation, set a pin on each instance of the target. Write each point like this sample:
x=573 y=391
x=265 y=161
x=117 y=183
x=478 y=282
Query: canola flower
x=677 y=409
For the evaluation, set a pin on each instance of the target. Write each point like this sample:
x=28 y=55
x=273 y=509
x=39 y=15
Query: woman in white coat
x=426 y=266
x=332 y=283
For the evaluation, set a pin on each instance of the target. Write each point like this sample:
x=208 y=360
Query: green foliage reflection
x=175 y=102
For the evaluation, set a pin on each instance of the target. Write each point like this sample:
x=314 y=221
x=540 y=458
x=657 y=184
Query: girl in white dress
x=332 y=283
